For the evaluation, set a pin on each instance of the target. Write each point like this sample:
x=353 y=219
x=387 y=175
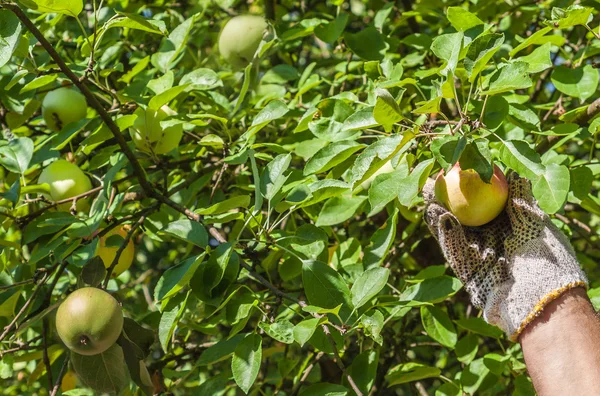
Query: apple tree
x=244 y=179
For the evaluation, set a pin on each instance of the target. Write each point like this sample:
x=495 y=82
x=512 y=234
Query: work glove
x=513 y=266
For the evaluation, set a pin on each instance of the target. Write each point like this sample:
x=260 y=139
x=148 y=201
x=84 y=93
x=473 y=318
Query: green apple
x=149 y=136
x=89 y=321
x=62 y=107
x=240 y=39
x=66 y=180
x=469 y=198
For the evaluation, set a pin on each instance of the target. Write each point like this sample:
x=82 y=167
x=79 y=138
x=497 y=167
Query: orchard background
x=280 y=248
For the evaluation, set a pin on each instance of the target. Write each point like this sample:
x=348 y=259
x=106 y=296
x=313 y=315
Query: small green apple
x=63 y=106
x=66 y=180
x=470 y=199
x=240 y=39
x=149 y=136
x=89 y=321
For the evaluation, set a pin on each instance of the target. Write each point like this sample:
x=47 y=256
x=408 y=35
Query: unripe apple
x=108 y=253
x=240 y=39
x=149 y=136
x=89 y=321
x=473 y=201
x=63 y=106
x=66 y=180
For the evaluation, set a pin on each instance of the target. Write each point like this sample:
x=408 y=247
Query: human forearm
x=562 y=347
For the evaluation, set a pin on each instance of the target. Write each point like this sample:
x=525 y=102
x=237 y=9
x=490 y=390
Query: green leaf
x=201 y=80
x=220 y=351
x=10 y=32
x=330 y=123
x=409 y=372
x=386 y=187
x=168 y=321
x=332 y=30
x=362 y=119
x=105 y=372
x=530 y=40
x=165 y=97
x=324 y=389
x=372 y=323
x=411 y=185
x=304 y=330
x=16 y=155
x=273 y=177
x=461 y=19
x=386 y=111
x=510 y=77
x=496 y=110
x=552 y=187
x=134 y=21
x=171 y=47
x=438 y=326
x=477 y=156
x=466 y=348
x=367 y=44
x=580 y=82
x=177 y=277
x=271 y=112
x=368 y=285
x=448 y=149
x=245 y=364
x=339 y=209
x=363 y=370
x=281 y=330
x=538 y=60
x=324 y=287
x=432 y=290
x=428 y=107
x=448 y=47
x=187 y=230
x=237 y=202
x=480 y=52
x=524 y=117
x=331 y=155
x=479 y=326
x=572 y=16
x=381 y=242
x=517 y=155
x=66 y=7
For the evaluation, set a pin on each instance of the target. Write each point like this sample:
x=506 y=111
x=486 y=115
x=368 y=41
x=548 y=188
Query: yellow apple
x=240 y=39
x=62 y=107
x=66 y=180
x=149 y=136
x=108 y=253
x=470 y=199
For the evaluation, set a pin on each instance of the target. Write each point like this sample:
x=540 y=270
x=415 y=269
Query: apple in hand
x=63 y=106
x=149 y=136
x=473 y=201
x=240 y=39
x=66 y=180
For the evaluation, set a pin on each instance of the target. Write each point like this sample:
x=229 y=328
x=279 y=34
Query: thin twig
x=338 y=361
x=58 y=383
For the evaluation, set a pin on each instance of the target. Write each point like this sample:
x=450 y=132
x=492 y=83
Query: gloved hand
x=513 y=266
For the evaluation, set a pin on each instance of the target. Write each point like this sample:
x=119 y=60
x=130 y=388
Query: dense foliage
x=276 y=234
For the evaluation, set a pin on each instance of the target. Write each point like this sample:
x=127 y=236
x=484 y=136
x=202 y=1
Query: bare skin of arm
x=562 y=347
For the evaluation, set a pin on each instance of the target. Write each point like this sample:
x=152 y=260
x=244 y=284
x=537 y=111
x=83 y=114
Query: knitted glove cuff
x=537 y=277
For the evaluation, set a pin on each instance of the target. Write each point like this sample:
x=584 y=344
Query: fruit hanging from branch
x=89 y=321
x=108 y=253
x=240 y=39
x=473 y=201
x=66 y=180
x=62 y=107
x=150 y=136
